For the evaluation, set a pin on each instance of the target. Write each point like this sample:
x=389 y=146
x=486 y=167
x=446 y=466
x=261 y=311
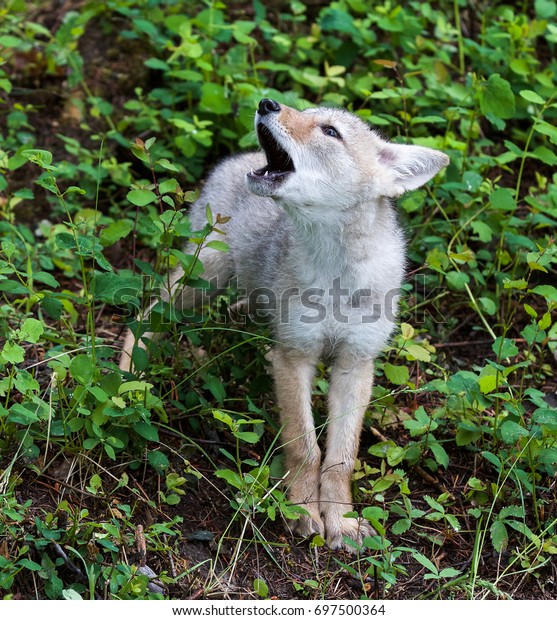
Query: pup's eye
x=331 y=132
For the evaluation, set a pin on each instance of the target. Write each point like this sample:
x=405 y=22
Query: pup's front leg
x=293 y=372
x=349 y=394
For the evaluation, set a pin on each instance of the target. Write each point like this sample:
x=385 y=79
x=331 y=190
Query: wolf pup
x=314 y=242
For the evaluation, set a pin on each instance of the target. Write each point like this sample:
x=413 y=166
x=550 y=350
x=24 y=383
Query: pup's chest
x=351 y=307
x=351 y=283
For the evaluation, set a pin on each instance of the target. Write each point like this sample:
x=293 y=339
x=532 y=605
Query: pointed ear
x=411 y=166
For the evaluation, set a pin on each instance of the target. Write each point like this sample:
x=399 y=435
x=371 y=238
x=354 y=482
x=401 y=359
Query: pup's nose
x=266 y=106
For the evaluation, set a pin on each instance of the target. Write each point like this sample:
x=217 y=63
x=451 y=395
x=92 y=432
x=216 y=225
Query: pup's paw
x=355 y=529
x=310 y=524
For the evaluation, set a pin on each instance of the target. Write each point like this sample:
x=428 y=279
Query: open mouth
x=279 y=162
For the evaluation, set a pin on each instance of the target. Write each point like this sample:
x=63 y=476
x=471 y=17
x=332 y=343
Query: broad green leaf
x=46 y=278
x=164 y=163
x=448 y=573
x=483 y=230
x=73 y=189
x=520 y=66
x=218 y=245
x=48 y=182
x=545 y=321
x=247 y=436
x=260 y=588
x=380 y=449
x=109 y=451
x=492 y=458
x=82 y=369
x=116 y=289
x=503 y=199
x=13 y=353
x=21 y=414
x=418 y=352
x=5 y=85
x=546 y=290
x=65 y=241
x=548 y=456
x=231 y=477
x=149 y=143
x=334 y=19
x=520 y=284
x=158 y=461
x=216 y=388
x=433 y=503
x=530 y=311
x=496 y=97
x=98 y=393
x=545 y=9
x=170 y=185
x=8 y=248
x=467 y=433
x=440 y=454
x=115 y=442
x=89 y=444
x=532 y=333
x=437 y=260
x=115 y=231
x=141 y=197
x=71 y=595
x=140 y=358
x=225 y=418
x=401 y=526
x=544 y=154
x=214 y=99
x=38 y=156
x=511 y=432
x=146 y=430
x=511 y=511
x=395 y=455
x=29 y=564
x=457 y=280
x=488 y=305
x=545 y=416
x=407 y=331
x=504 y=347
x=489 y=382
x=398 y=375
x=156 y=63
x=423 y=423
x=8 y=40
x=546 y=129
x=499 y=535
x=425 y=562
x=472 y=180
x=25 y=382
x=31 y=330
x=532 y=97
